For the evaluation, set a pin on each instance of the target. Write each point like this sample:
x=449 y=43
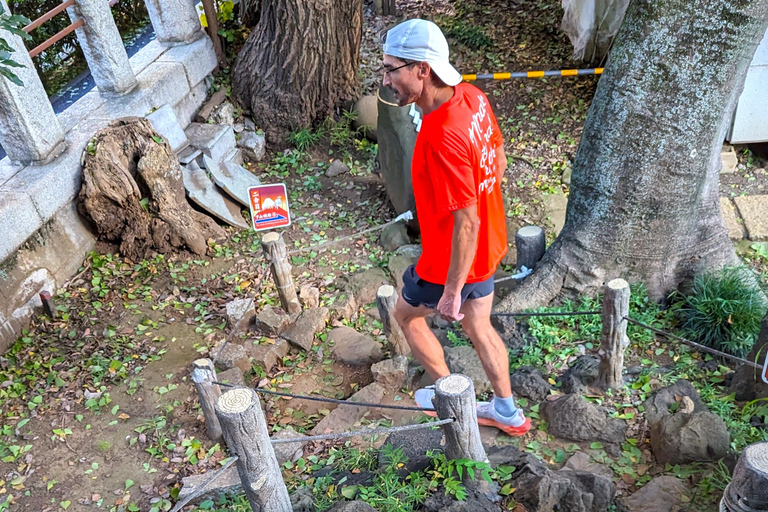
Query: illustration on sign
x=269 y=206
x=765 y=369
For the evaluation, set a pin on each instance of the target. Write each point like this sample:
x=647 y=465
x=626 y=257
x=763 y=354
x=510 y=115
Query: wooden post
x=531 y=244
x=389 y=8
x=748 y=490
x=455 y=398
x=614 y=339
x=386 y=299
x=212 y=21
x=245 y=431
x=204 y=376
x=277 y=256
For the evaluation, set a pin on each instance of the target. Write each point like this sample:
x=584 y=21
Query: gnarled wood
x=123 y=164
x=614 y=340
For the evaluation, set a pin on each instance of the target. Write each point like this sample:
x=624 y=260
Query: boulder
x=344 y=306
x=662 y=494
x=269 y=353
x=302 y=332
x=230 y=356
x=364 y=285
x=303 y=500
x=657 y=406
x=337 y=168
x=309 y=296
x=581 y=461
x=530 y=383
x=240 y=309
x=352 y=347
x=682 y=438
x=413 y=251
x=391 y=373
x=475 y=501
x=580 y=375
x=397 y=266
x=345 y=416
x=352 y=506
x=253 y=144
x=511 y=332
x=233 y=376
x=415 y=445
x=223 y=114
x=272 y=320
x=288 y=451
x=573 y=418
x=465 y=360
x=394 y=236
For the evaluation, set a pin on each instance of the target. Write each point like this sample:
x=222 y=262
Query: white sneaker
x=515 y=426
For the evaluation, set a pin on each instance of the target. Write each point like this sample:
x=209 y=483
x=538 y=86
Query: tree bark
x=644 y=200
x=299 y=61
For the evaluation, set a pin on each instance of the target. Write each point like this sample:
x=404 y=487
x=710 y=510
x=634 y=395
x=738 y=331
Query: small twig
x=523 y=159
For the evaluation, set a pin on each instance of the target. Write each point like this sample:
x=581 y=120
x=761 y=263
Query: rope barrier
x=360 y=433
x=334 y=400
x=205 y=484
x=564 y=313
x=533 y=74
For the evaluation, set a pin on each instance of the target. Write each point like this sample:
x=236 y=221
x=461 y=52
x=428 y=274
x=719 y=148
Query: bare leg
x=425 y=347
x=490 y=348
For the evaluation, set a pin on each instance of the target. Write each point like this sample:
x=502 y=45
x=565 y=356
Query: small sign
x=269 y=206
x=765 y=369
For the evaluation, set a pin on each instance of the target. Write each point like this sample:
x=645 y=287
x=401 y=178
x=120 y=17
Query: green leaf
x=157 y=139
x=128 y=484
x=115 y=409
x=65 y=504
x=596 y=446
x=349 y=491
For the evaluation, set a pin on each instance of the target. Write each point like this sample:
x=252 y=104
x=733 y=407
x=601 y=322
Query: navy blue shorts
x=418 y=292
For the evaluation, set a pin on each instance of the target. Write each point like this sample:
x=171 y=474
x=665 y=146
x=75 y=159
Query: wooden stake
x=277 y=256
x=212 y=21
x=204 y=376
x=455 y=398
x=530 y=244
x=748 y=489
x=386 y=300
x=389 y=8
x=245 y=431
x=614 y=339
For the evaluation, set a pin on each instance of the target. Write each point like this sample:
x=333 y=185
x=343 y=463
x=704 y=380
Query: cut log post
x=245 y=431
x=748 y=490
x=204 y=376
x=614 y=340
x=277 y=256
x=455 y=398
x=531 y=244
x=386 y=299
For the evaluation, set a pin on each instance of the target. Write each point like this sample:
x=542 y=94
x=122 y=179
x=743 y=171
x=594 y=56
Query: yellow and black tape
x=533 y=74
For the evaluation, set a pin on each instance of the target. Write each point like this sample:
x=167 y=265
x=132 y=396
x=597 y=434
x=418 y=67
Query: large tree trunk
x=300 y=60
x=644 y=200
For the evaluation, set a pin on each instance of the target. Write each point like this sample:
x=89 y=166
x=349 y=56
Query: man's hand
x=449 y=305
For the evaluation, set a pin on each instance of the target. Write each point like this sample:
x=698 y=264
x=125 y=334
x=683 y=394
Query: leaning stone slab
x=729 y=159
x=302 y=332
x=268 y=354
x=345 y=416
x=272 y=320
x=754 y=211
x=231 y=356
x=238 y=309
x=164 y=122
x=215 y=140
x=235 y=180
x=204 y=193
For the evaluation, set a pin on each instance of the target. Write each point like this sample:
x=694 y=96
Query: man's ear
x=424 y=70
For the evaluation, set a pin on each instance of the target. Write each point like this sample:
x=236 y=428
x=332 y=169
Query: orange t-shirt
x=454 y=166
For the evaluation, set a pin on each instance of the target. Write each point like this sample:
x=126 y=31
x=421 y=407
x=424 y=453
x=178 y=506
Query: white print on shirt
x=478 y=137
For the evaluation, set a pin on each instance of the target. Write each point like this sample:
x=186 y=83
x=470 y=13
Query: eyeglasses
x=392 y=70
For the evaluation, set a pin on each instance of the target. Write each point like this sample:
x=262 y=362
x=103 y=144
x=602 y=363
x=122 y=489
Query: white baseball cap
x=422 y=41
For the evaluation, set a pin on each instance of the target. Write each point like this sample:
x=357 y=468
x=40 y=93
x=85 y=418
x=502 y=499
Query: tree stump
x=386 y=299
x=133 y=193
x=455 y=398
x=277 y=256
x=245 y=431
x=748 y=490
x=614 y=340
x=530 y=244
x=204 y=376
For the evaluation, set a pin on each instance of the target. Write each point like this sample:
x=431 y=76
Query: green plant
x=471 y=36
x=304 y=139
x=457 y=340
x=723 y=310
x=14 y=25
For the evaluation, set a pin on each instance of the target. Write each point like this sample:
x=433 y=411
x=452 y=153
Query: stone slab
x=147 y=55
x=754 y=211
x=235 y=180
x=164 y=83
x=205 y=194
x=731 y=219
x=165 y=123
x=17 y=210
x=197 y=57
x=80 y=109
x=187 y=108
x=214 y=140
x=729 y=159
x=554 y=209
x=8 y=170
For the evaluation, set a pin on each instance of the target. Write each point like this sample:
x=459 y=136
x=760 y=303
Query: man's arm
x=463 y=249
x=501 y=158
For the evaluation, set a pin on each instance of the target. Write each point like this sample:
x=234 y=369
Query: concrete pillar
x=174 y=21
x=29 y=130
x=102 y=46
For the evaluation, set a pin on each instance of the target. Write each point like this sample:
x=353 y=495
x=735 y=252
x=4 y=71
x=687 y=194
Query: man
x=457 y=166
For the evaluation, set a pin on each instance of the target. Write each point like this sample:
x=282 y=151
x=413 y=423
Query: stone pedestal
x=174 y=21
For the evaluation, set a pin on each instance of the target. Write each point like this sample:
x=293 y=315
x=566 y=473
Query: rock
x=566 y=178
x=530 y=383
x=231 y=356
x=344 y=306
x=288 y=451
x=731 y=218
x=214 y=101
x=662 y=494
x=238 y=127
x=345 y=416
x=272 y=320
x=657 y=406
x=303 y=500
x=253 y=144
x=351 y=347
x=238 y=309
x=352 y=506
x=336 y=168
x=223 y=114
x=729 y=159
x=554 y=210
x=581 y=374
x=364 y=285
x=465 y=360
x=683 y=438
x=440 y=501
x=415 y=445
x=233 y=376
x=373 y=313
x=581 y=461
x=435 y=321
x=302 y=332
x=367 y=114
x=573 y=418
x=309 y=296
x=412 y=251
x=268 y=354
x=227 y=483
x=391 y=373
x=754 y=211
x=394 y=236
x=204 y=193
x=397 y=266
x=511 y=332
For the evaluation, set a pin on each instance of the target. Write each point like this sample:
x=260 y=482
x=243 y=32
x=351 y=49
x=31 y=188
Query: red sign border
x=765 y=367
x=287 y=206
